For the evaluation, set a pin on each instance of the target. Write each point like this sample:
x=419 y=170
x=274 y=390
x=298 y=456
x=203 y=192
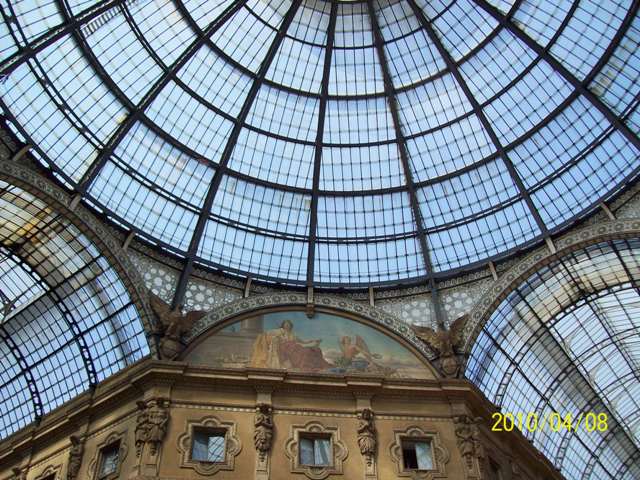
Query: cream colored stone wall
x=227 y=399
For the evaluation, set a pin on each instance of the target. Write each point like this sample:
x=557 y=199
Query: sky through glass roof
x=67 y=320
x=567 y=340
x=329 y=143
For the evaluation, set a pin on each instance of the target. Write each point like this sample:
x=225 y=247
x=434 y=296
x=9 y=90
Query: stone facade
x=192 y=397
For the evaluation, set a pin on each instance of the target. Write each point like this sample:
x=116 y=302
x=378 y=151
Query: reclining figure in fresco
x=281 y=348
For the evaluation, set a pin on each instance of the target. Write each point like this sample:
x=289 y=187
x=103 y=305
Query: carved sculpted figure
x=367 y=435
x=444 y=342
x=263 y=431
x=468 y=437
x=173 y=325
x=75 y=457
x=151 y=424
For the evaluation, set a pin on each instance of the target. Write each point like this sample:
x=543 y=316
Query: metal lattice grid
x=567 y=341
x=330 y=143
x=68 y=321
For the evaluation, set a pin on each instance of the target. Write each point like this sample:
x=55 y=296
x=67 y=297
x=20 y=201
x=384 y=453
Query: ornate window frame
x=232 y=445
x=441 y=455
x=123 y=448
x=50 y=470
x=314 y=428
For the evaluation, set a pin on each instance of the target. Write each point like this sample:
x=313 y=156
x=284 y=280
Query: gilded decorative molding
x=440 y=455
x=315 y=472
x=337 y=304
x=232 y=445
x=508 y=281
x=47 y=472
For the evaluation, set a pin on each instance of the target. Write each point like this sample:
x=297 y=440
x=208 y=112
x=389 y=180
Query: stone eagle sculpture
x=172 y=325
x=444 y=343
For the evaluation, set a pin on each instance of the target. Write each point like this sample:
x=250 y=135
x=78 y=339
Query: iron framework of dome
x=329 y=143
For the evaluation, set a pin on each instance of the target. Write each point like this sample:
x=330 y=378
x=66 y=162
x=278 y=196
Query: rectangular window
x=208 y=446
x=416 y=455
x=109 y=458
x=315 y=451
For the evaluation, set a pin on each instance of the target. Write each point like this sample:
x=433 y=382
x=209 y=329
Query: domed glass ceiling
x=330 y=143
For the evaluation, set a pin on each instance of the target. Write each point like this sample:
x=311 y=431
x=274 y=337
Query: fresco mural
x=322 y=344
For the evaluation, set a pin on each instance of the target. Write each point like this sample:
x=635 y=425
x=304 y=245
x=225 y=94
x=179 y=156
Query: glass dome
x=330 y=143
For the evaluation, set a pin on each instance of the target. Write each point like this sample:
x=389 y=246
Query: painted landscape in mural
x=322 y=344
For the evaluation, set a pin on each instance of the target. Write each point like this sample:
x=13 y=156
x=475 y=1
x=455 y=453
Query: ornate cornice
x=34 y=183
x=510 y=280
x=328 y=302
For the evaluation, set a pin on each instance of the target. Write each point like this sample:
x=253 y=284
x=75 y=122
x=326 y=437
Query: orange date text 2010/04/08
x=550 y=421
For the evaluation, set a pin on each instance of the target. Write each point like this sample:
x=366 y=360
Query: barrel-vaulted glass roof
x=330 y=143
x=67 y=320
x=566 y=342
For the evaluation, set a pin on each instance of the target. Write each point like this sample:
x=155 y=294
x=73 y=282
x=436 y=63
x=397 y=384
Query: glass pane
x=199 y=447
x=208 y=447
x=306 y=451
x=323 y=451
x=409 y=459
x=109 y=460
x=215 y=450
x=423 y=453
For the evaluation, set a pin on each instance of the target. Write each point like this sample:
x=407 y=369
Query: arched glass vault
x=67 y=320
x=567 y=340
x=329 y=143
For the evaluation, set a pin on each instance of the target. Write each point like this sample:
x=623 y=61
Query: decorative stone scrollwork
x=368 y=441
x=315 y=472
x=471 y=449
x=151 y=424
x=263 y=430
x=48 y=472
x=440 y=454
x=75 y=457
x=232 y=445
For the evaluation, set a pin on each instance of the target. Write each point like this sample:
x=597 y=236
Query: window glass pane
x=208 y=447
x=199 y=447
x=109 y=463
x=322 y=451
x=423 y=453
x=306 y=451
x=409 y=458
x=215 y=449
